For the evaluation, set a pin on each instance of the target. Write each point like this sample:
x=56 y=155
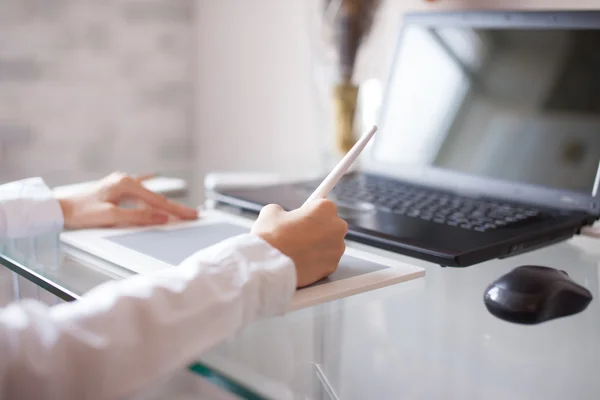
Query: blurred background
x=87 y=87
x=176 y=87
x=180 y=87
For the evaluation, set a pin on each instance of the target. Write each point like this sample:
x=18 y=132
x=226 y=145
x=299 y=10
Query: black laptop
x=488 y=142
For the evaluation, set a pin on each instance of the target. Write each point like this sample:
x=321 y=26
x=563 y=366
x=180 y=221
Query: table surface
x=431 y=338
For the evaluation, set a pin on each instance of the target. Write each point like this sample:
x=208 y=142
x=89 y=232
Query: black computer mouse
x=532 y=294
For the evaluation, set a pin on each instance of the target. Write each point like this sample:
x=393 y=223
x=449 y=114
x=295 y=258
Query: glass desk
x=431 y=338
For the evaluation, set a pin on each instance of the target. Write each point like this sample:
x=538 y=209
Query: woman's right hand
x=312 y=236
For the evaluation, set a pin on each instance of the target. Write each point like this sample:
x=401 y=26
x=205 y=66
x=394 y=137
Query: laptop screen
x=512 y=104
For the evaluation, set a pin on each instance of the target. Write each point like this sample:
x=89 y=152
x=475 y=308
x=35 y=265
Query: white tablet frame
x=95 y=242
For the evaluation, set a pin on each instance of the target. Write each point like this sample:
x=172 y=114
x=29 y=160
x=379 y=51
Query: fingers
x=321 y=206
x=343 y=226
x=137 y=217
x=130 y=187
x=107 y=215
x=326 y=210
x=144 y=177
x=271 y=210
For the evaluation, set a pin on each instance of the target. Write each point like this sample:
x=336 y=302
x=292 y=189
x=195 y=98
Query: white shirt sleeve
x=28 y=208
x=123 y=335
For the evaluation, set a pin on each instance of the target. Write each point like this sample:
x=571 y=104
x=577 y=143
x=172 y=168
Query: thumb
x=139 y=217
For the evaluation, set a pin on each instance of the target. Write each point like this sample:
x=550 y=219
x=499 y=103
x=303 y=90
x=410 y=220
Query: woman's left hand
x=100 y=205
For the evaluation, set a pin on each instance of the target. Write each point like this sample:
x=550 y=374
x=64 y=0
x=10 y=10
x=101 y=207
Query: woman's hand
x=100 y=205
x=312 y=236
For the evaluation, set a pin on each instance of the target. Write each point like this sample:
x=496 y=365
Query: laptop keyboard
x=427 y=204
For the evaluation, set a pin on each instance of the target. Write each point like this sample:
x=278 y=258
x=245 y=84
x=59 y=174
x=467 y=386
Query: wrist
x=272 y=242
x=66 y=207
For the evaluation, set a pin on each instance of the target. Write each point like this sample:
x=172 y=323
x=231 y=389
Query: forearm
x=123 y=335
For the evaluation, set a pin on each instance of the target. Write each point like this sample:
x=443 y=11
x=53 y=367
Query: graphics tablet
x=149 y=249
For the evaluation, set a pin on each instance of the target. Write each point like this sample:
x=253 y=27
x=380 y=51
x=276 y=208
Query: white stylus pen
x=341 y=168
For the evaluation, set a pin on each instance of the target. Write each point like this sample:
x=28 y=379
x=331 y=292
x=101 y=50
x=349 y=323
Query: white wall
x=88 y=87
x=254 y=103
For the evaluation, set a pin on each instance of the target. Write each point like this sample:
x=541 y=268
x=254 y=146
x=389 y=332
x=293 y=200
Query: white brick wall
x=87 y=87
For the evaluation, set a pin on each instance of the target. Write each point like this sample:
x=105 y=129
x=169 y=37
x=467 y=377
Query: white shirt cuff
x=273 y=273
x=28 y=208
x=279 y=274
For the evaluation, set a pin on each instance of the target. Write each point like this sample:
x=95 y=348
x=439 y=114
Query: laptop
x=488 y=143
